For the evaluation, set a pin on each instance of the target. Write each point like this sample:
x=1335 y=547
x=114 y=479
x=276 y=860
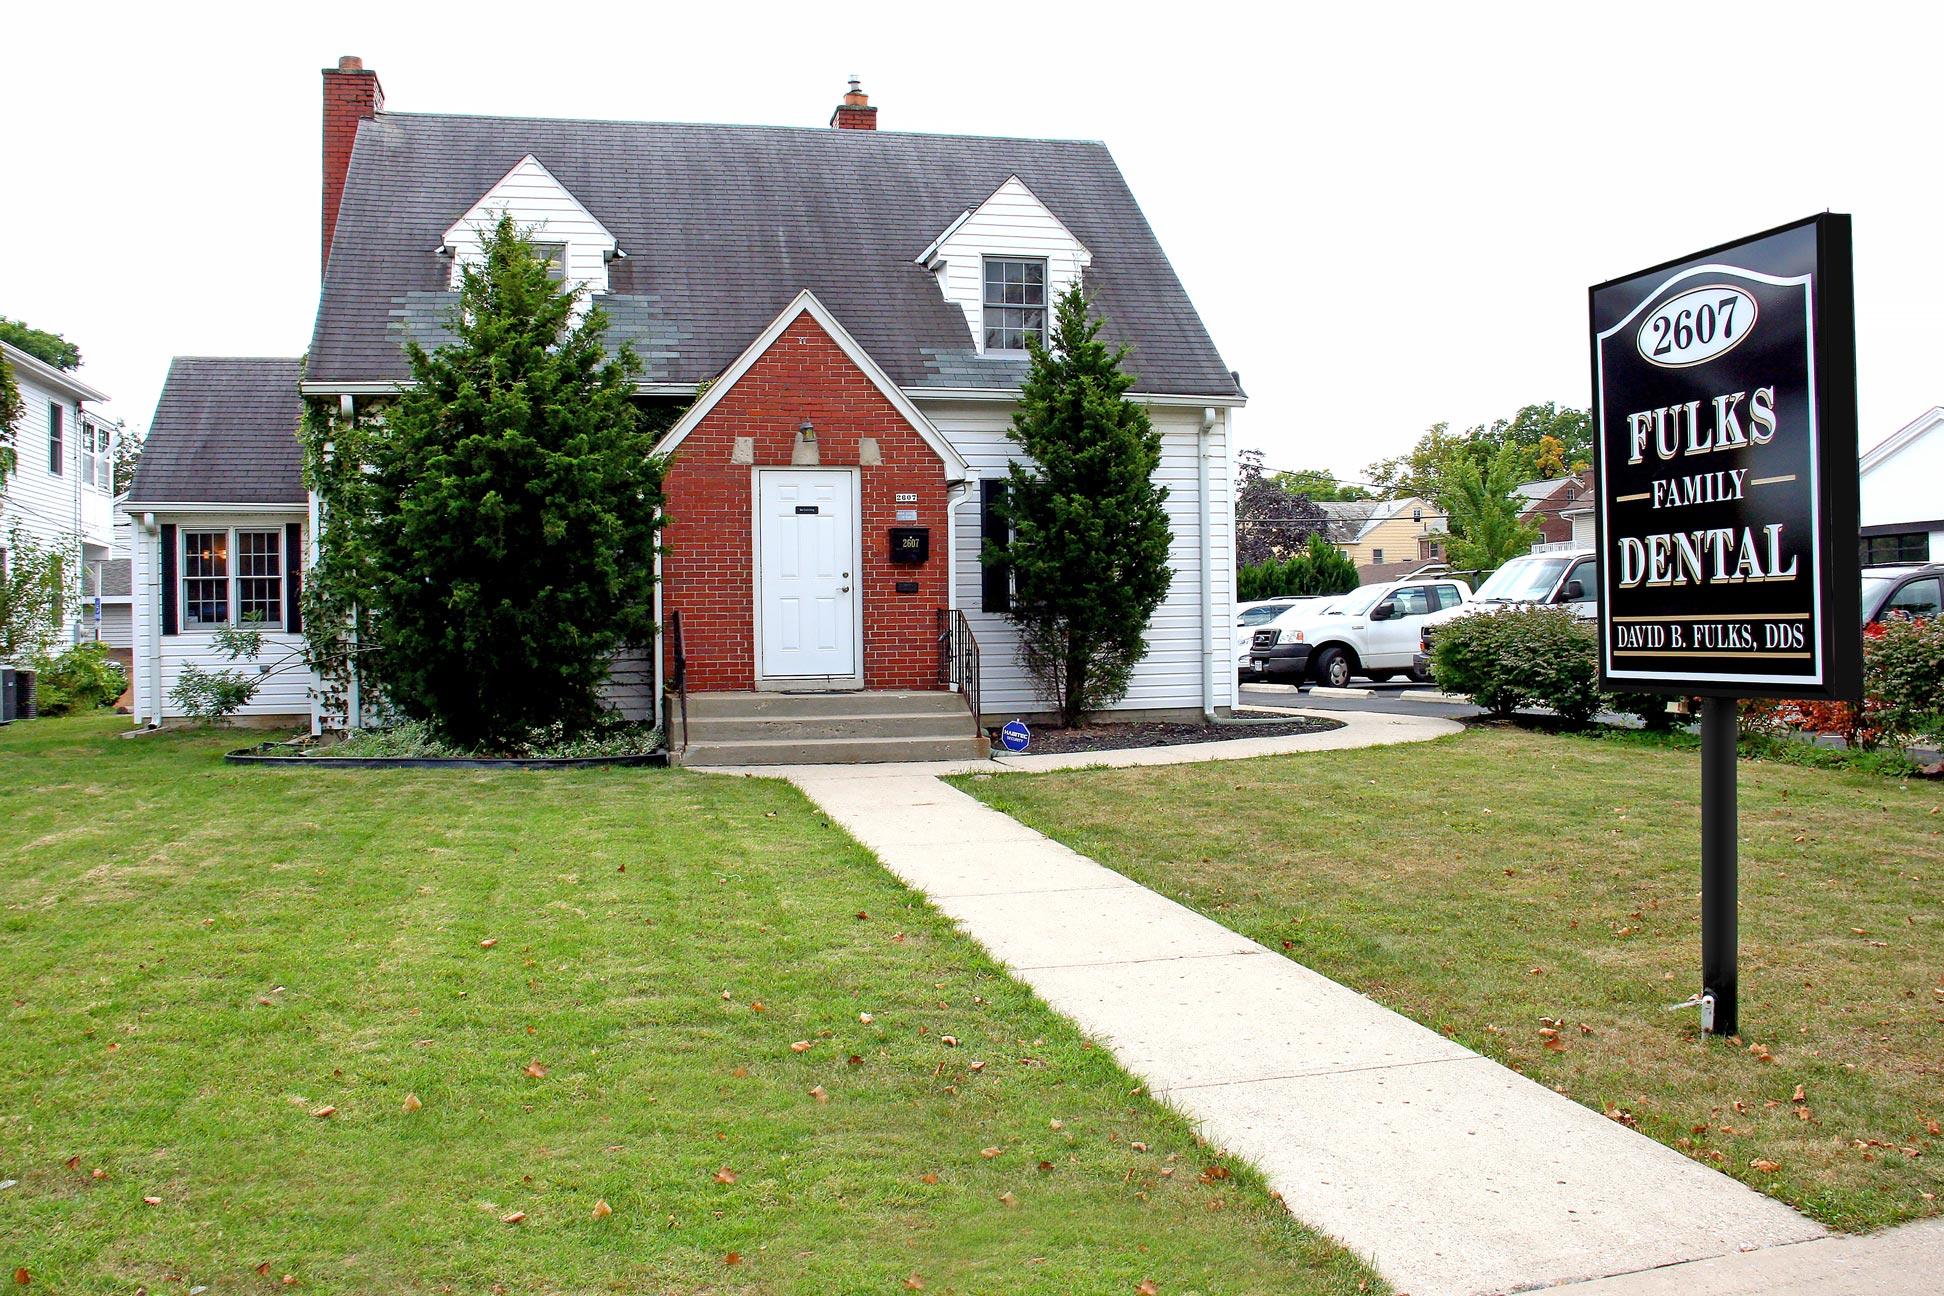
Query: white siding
x=1903 y=486
x=58 y=510
x=1170 y=676
x=117 y=624
x=287 y=683
x=540 y=206
x=1011 y=223
x=630 y=686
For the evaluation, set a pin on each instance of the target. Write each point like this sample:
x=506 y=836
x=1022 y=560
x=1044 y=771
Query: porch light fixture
x=808 y=430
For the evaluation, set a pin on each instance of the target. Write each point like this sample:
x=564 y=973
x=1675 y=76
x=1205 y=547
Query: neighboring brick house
x=859 y=301
x=1550 y=505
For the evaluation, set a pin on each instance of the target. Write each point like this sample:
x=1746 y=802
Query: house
x=221 y=519
x=1902 y=502
x=857 y=301
x=1380 y=535
x=1551 y=505
x=61 y=492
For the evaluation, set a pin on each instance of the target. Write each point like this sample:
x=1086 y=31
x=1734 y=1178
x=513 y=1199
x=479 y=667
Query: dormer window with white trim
x=1004 y=263
x=1013 y=306
x=575 y=245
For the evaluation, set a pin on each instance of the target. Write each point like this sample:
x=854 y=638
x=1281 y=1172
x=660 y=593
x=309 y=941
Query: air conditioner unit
x=6 y=694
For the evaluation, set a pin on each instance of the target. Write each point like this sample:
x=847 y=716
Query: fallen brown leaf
x=535 y=1070
x=928 y=1177
x=517 y=1217
x=914 y=1283
x=602 y=1210
x=949 y=1041
x=151 y=1201
x=820 y=1094
x=725 y=1176
x=1012 y=1202
x=866 y=1018
x=855 y=1060
x=325 y=1113
x=1799 y=1095
x=989 y=1153
x=411 y=1103
x=489 y=942
x=263 y=1270
x=1146 y=1287
x=1765 y=1165
x=22 y=1277
x=735 y=1257
x=73 y=1163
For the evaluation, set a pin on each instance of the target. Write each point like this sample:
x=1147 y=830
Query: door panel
x=806 y=591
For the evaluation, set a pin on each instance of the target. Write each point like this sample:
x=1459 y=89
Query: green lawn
x=1536 y=897
x=562 y=971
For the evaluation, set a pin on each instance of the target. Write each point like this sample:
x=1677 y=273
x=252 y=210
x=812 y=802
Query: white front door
x=806 y=591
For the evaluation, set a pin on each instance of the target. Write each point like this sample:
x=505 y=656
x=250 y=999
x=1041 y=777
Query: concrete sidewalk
x=1449 y=1172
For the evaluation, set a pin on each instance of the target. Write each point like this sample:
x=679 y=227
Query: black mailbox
x=910 y=544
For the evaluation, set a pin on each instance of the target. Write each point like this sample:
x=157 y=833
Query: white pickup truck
x=1371 y=631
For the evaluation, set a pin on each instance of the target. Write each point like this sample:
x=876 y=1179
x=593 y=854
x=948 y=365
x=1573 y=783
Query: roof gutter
x=1226 y=401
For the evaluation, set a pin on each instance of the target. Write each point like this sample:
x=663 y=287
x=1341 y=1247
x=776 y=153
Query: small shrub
x=1517 y=657
x=1903 y=673
x=215 y=695
x=80 y=679
x=415 y=739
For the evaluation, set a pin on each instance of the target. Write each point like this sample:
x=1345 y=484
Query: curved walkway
x=1450 y=1173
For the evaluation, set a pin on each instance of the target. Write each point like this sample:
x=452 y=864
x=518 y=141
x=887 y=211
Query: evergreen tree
x=508 y=531
x=1089 y=551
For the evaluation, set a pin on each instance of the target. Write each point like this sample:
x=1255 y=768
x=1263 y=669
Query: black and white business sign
x=1724 y=390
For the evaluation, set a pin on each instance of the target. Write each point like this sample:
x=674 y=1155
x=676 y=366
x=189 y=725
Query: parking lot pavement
x=1394 y=698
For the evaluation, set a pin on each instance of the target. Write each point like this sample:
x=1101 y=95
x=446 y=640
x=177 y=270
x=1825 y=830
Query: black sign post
x=1724 y=406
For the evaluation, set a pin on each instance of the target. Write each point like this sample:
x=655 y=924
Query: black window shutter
x=294 y=577
x=168 y=578
x=995 y=584
x=56 y=439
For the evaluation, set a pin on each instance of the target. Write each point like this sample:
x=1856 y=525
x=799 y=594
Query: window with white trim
x=554 y=257
x=56 y=439
x=1014 y=303
x=97 y=463
x=232 y=573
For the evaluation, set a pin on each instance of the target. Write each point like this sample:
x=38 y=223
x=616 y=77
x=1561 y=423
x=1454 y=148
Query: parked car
x=1250 y=617
x=1566 y=578
x=1371 y=631
x=1916 y=592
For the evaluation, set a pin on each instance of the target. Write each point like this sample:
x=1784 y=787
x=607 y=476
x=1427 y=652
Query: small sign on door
x=807 y=508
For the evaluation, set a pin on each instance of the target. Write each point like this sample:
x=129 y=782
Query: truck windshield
x=1523 y=580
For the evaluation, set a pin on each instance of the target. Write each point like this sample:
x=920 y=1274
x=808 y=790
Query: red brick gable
x=707 y=568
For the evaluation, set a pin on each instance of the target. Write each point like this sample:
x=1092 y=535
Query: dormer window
x=1014 y=304
x=554 y=255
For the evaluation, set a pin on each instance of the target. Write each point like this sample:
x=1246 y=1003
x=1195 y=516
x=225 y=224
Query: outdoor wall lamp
x=808 y=430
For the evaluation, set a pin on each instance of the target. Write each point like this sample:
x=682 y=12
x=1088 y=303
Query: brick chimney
x=351 y=95
x=855 y=113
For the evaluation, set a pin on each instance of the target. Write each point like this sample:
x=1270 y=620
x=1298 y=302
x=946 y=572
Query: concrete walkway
x=1449 y=1172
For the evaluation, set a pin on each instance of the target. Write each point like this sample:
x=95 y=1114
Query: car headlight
x=1290 y=636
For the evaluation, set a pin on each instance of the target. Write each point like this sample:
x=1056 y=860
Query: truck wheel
x=1333 y=667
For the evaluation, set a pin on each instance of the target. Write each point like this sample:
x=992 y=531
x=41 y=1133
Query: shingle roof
x=724 y=225
x=225 y=432
x=117 y=580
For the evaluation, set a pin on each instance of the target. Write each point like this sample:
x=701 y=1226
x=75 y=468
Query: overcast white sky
x=1387 y=214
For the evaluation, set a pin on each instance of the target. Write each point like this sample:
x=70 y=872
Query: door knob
x=844 y=589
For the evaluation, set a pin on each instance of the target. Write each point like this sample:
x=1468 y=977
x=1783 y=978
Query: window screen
x=259 y=577
x=205 y=578
x=1015 y=304
x=1903 y=547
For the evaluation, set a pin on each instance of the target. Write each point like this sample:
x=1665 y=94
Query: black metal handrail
x=958 y=657
x=678 y=680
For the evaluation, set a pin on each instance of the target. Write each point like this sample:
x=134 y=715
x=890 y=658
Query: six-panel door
x=806 y=592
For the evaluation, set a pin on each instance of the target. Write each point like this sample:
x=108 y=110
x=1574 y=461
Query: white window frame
x=540 y=248
x=232 y=578
x=1045 y=307
x=97 y=456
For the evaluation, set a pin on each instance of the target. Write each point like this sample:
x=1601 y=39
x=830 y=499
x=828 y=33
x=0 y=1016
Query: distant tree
x=1089 y=549
x=1320 y=485
x=1270 y=521
x=128 y=454
x=1482 y=511
x=1425 y=470
x=500 y=523
x=9 y=415
x=1318 y=568
x=49 y=348
x=1549 y=461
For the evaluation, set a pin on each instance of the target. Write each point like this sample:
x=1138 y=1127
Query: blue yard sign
x=1015 y=736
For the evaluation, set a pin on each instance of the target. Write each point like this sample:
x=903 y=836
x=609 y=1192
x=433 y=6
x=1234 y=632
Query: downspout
x=154 y=636
x=658 y=705
x=1205 y=442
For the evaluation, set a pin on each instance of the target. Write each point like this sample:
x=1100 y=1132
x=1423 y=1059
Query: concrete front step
x=890 y=724
x=834 y=751
x=755 y=706
x=829 y=728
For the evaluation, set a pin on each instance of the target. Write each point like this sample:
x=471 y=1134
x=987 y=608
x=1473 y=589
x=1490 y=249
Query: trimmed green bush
x=1314 y=570
x=80 y=679
x=1903 y=666
x=1518 y=657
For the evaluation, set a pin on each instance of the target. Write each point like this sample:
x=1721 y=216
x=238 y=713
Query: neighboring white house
x=61 y=492
x=220 y=521
x=1902 y=493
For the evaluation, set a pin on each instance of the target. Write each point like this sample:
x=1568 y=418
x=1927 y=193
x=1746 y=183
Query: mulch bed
x=1118 y=737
